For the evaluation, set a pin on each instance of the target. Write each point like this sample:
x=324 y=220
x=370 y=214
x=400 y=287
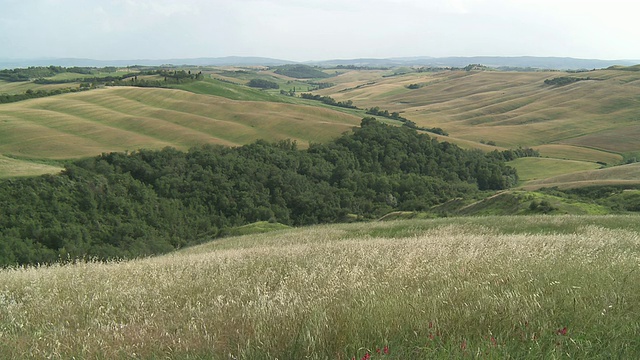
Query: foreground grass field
x=492 y=287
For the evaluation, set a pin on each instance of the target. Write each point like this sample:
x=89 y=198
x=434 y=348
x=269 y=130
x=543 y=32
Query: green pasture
x=211 y=86
x=534 y=168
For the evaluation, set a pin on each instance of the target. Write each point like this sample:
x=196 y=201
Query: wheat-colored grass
x=426 y=289
x=511 y=108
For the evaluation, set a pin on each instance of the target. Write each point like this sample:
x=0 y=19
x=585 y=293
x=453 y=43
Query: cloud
x=317 y=29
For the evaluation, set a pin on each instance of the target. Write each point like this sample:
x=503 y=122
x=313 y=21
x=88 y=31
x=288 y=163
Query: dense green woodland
x=122 y=205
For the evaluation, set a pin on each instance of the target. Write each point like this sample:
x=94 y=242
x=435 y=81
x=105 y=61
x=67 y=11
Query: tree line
x=129 y=79
x=564 y=80
x=123 y=205
x=405 y=122
x=329 y=100
x=34 y=94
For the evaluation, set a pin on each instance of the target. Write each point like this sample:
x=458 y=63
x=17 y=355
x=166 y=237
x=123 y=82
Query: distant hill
x=557 y=63
x=69 y=62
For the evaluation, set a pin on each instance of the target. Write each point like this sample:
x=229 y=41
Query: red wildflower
x=431 y=336
x=378 y=350
x=430 y=324
x=562 y=331
x=366 y=356
x=494 y=342
x=463 y=346
x=386 y=349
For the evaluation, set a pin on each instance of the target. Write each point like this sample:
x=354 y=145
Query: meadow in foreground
x=495 y=287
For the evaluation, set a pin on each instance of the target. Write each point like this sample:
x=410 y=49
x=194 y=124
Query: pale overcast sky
x=318 y=29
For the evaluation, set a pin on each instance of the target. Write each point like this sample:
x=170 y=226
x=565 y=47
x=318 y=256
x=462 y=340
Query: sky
x=303 y=30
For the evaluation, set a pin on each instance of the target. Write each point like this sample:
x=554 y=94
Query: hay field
x=593 y=121
x=118 y=119
x=492 y=287
x=513 y=109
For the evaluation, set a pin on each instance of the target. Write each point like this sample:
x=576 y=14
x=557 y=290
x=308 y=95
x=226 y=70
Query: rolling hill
x=588 y=123
x=510 y=108
x=118 y=119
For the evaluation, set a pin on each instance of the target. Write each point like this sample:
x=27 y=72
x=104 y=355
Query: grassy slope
x=591 y=121
x=519 y=202
x=511 y=109
x=570 y=152
x=625 y=174
x=541 y=168
x=521 y=287
x=116 y=119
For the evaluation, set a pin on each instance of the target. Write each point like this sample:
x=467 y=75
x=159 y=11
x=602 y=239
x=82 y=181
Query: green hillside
x=530 y=169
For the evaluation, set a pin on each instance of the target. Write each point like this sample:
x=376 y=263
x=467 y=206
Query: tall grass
x=418 y=289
